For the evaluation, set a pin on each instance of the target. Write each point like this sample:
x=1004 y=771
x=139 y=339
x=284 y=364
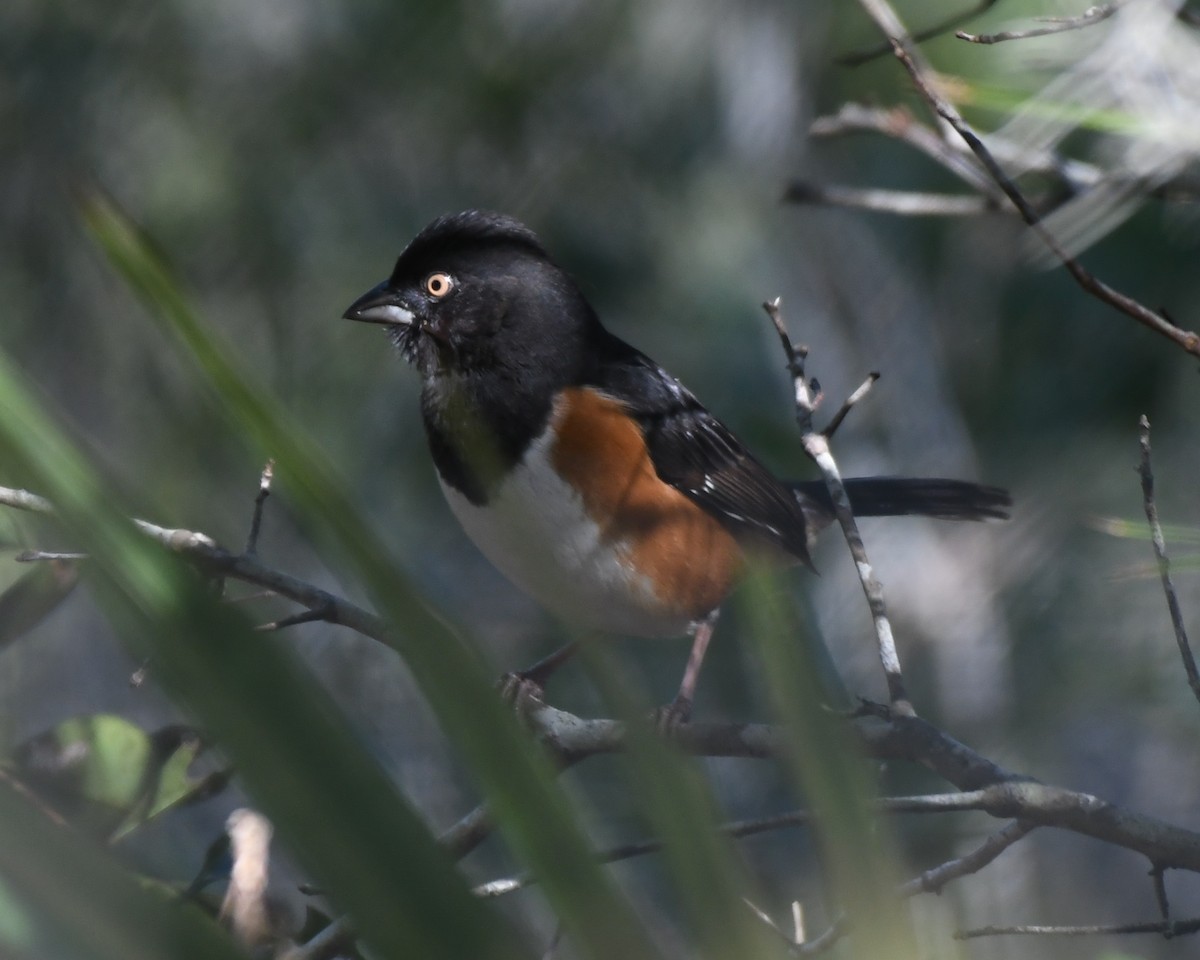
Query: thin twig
x=905 y=203
x=41 y=556
x=936 y=878
x=304 y=616
x=1160 y=891
x=885 y=17
x=816 y=445
x=468 y=833
x=933 y=880
x=859 y=57
x=937 y=803
x=264 y=491
x=898 y=123
x=1090 y=16
x=1168 y=928
x=1164 y=563
x=857 y=395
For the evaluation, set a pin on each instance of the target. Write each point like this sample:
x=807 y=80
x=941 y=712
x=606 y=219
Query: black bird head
x=476 y=292
x=495 y=328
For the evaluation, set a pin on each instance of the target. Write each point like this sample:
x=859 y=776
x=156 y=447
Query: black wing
x=698 y=455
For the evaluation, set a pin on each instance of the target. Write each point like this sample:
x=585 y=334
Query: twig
x=468 y=833
x=885 y=17
x=264 y=491
x=862 y=391
x=304 y=616
x=905 y=203
x=859 y=57
x=211 y=558
x=935 y=879
x=1090 y=16
x=816 y=445
x=931 y=881
x=1160 y=556
x=931 y=803
x=1168 y=928
x=1160 y=891
x=898 y=123
x=41 y=556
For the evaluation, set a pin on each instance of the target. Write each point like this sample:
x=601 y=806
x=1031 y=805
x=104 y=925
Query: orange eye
x=439 y=284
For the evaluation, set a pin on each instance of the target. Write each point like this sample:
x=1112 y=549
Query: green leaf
x=107 y=775
x=34 y=596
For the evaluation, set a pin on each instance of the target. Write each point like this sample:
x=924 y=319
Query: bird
x=585 y=472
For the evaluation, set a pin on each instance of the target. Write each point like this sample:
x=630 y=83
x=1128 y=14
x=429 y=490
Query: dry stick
x=1090 y=16
x=883 y=14
x=1164 y=564
x=1168 y=928
x=816 y=445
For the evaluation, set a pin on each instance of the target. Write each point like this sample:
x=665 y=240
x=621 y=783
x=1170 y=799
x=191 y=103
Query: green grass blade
x=332 y=804
x=516 y=777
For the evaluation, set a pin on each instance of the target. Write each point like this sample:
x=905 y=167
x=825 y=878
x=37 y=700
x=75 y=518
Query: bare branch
x=1090 y=16
x=885 y=17
x=816 y=445
x=935 y=879
x=898 y=123
x=863 y=389
x=889 y=735
x=1164 y=564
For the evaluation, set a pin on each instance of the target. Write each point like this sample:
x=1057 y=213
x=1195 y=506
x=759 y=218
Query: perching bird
x=585 y=472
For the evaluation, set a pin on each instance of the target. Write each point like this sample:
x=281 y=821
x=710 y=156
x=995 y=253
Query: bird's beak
x=380 y=305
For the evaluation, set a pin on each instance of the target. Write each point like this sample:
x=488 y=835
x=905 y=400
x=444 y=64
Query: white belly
x=537 y=533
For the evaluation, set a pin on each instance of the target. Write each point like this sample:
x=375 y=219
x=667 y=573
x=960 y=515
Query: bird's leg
x=530 y=683
x=679 y=710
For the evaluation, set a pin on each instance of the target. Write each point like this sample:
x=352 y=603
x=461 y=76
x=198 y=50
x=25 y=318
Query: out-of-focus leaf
x=295 y=752
x=68 y=893
x=517 y=778
x=35 y=595
x=102 y=772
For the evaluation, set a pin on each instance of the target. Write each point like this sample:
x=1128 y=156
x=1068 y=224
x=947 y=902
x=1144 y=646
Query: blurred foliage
x=281 y=153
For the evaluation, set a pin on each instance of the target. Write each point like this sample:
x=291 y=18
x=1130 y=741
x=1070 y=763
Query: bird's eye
x=437 y=285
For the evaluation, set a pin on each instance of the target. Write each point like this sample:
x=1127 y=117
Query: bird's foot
x=669 y=718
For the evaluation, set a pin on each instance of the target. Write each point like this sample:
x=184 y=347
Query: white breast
x=537 y=533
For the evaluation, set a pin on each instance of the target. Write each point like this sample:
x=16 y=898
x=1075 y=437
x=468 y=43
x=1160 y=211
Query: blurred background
x=282 y=153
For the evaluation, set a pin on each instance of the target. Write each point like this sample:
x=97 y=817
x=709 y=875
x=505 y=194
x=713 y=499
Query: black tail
x=901 y=496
